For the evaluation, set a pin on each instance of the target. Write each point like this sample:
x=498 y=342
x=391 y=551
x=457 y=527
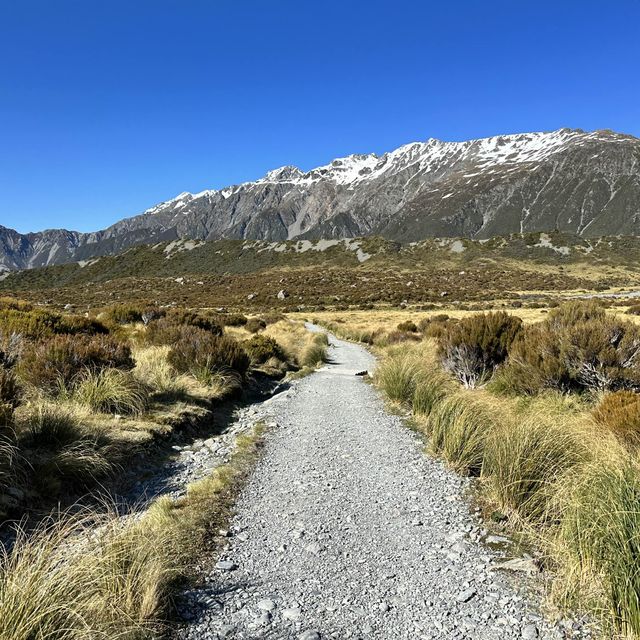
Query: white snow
x=545 y=242
x=181 y=245
x=476 y=157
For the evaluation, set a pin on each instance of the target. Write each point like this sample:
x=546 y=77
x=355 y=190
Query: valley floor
x=347 y=530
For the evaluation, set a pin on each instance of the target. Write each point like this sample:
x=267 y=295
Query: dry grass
x=98 y=576
x=567 y=484
x=301 y=347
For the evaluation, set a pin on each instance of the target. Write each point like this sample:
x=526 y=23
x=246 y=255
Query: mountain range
x=583 y=183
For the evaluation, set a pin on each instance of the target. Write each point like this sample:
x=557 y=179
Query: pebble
x=357 y=531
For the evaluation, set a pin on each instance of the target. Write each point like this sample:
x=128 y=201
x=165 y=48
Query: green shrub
x=254 y=325
x=408 y=326
x=232 y=320
x=472 y=348
x=575 y=312
x=578 y=347
x=435 y=326
x=261 y=348
x=112 y=391
x=39 y=323
x=15 y=303
x=200 y=352
x=619 y=413
x=123 y=313
x=393 y=337
x=273 y=317
x=61 y=360
x=193 y=319
x=169 y=329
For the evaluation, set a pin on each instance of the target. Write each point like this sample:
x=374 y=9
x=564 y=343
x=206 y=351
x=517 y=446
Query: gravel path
x=347 y=530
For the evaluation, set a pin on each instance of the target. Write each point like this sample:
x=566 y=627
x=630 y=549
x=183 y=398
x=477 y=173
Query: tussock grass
x=92 y=576
x=112 y=391
x=598 y=540
x=459 y=427
x=315 y=353
x=59 y=582
x=399 y=375
x=48 y=424
x=153 y=369
x=524 y=460
x=432 y=387
x=565 y=481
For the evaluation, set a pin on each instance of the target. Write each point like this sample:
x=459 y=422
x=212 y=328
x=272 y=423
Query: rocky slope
x=570 y=180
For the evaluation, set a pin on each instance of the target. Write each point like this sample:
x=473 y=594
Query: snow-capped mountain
x=569 y=180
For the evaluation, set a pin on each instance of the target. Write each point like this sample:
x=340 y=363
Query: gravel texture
x=347 y=530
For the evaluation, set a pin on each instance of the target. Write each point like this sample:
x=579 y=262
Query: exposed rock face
x=570 y=180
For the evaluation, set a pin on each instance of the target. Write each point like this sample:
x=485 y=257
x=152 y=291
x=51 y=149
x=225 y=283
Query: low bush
x=61 y=360
x=634 y=310
x=472 y=348
x=393 y=337
x=273 y=317
x=200 y=353
x=193 y=319
x=233 y=320
x=169 y=329
x=436 y=326
x=254 y=325
x=261 y=348
x=15 y=303
x=577 y=348
x=619 y=413
x=112 y=391
x=39 y=323
x=125 y=313
x=408 y=326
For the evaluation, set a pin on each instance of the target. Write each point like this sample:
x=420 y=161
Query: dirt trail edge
x=347 y=530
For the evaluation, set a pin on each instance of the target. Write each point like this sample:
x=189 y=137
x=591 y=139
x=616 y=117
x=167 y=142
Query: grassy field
x=247 y=276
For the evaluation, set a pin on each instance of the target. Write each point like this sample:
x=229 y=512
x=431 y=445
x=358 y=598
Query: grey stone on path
x=330 y=534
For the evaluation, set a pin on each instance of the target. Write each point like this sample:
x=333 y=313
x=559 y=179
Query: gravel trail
x=347 y=530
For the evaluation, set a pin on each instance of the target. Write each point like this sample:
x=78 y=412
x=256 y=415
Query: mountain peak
x=585 y=183
x=288 y=173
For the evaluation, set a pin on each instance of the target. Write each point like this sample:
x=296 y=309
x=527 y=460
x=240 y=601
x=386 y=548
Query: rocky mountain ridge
x=584 y=183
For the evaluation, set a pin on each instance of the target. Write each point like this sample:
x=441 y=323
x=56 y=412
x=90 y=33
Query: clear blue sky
x=107 y=108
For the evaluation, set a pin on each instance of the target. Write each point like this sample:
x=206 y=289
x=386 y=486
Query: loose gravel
x=347 y=530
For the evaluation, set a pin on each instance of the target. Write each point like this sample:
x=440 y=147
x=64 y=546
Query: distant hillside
x=366 y=270
x=587 y=184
